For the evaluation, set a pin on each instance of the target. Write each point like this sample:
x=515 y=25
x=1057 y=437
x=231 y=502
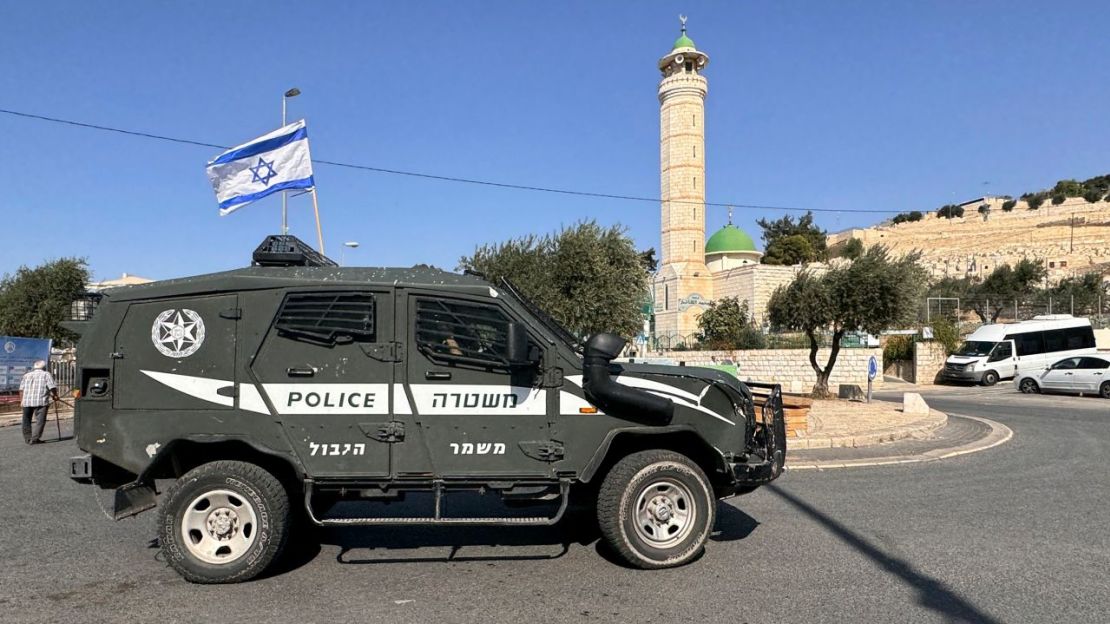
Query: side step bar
x=438 y=519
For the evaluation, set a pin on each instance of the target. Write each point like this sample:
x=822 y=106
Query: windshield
x=975 y=348
x=548 y=322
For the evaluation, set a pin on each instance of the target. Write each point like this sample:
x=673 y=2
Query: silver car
x=1088 y=374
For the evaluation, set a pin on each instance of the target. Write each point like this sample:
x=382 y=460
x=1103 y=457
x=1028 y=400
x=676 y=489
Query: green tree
x=946 y=333
x=1082 y=293
x=950 y=211
x=852 y=249
x=914 y=215
x=588 y=277
x=1008 y=205
x=873 y=293
x=1034 y=200
x=1005 y=284
x=787 y=241
x=727 y=325
x=1068 y=188
x=34 y=301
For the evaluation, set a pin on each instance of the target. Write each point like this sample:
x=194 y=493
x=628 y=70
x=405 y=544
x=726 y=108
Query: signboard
x=17 y=356
x=872 y=368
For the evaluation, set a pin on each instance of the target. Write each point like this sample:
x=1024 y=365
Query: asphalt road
x=1017 y=533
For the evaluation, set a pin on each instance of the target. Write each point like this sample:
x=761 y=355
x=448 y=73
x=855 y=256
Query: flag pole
x=319 y=232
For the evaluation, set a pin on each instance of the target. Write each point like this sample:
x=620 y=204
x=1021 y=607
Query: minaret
x=683 y=280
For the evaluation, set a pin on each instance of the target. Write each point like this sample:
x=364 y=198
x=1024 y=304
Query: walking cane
x=57 y=421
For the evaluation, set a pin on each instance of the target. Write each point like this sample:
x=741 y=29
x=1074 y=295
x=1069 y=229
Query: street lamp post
x=343 y=252
x=294 y=92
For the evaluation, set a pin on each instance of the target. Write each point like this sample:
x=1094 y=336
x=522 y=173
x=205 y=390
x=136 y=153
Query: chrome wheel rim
x=665 y=513
x=219 y=527
x=1028 y=386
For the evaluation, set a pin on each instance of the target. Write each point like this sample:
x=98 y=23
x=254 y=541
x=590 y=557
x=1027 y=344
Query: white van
x=1002 y=351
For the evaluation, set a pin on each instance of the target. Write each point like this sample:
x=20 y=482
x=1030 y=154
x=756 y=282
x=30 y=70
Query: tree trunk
x=821 y=388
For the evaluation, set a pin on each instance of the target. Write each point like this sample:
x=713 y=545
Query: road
x=1013 y=534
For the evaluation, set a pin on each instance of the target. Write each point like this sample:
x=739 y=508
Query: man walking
x=37 y=388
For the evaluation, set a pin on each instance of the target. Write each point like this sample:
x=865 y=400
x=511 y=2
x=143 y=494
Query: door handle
x=437 y=376
x=300 y=372
x=1067 y=373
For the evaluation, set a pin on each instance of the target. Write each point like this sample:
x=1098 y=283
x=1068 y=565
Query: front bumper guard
x=766 y=461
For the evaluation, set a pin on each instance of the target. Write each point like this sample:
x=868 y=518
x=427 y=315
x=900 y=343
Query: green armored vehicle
x=297 y=385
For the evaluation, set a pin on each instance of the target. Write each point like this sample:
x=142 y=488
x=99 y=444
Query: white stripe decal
x=251 y=400
x=569 y=404
x=485 y=400
x=328 y=398
x=200 y=387
x=663 y=390
x=401 y=404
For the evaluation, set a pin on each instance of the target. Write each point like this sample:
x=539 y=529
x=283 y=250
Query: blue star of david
x=260 y=175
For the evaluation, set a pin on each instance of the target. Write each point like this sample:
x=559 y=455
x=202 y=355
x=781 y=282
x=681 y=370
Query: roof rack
x=287 y=250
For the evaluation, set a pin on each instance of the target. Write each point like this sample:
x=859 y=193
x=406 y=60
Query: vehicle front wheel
x=1104 y=390
x=990 y=378
x=224 y=522
x=1028 y=386
x=656 y=509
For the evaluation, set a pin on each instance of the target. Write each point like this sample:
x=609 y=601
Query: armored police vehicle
x=297 y=385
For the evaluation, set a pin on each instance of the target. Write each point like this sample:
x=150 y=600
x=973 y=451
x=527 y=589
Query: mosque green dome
x=729 y=239
x=684 y=42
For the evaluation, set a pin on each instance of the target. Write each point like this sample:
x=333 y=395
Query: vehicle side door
x=1090 y=374
x=1002 y=359
x=1029 y=349
x=1061 y=375
x=324 y=370
x=477 y=414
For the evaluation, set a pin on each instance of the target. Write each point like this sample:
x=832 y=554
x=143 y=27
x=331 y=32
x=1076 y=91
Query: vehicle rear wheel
x=1028 y=386
x=990 y=378
x=656 y=509
x=1104 y=390
x=224 y=522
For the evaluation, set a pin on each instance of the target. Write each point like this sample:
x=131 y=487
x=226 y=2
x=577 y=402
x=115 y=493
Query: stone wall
x=928 y=360
x=789 y=367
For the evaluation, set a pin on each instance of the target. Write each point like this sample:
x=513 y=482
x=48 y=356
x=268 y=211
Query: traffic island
x=842 y=434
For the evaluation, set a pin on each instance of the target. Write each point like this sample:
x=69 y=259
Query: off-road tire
x=1104 y=390
x=627 y=483
x=255 y=487
x=990 y=378
x=1028 y=386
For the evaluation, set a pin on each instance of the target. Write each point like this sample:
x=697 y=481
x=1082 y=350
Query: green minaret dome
x=729 y=238
x=684 y=42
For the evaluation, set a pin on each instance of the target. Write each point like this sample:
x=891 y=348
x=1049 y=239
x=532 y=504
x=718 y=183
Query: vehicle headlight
x=969 y=366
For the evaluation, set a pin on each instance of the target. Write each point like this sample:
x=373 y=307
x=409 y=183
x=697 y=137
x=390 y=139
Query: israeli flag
x=274 y=162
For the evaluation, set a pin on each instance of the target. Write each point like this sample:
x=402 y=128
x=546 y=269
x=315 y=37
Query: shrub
x=1058 y=198
x=914 y=215
x=1092 y=195
x=1008 y=205
x=899 y=218
x=946 y=333
x=1034 y=201
x=984 y=208
x=897 y=349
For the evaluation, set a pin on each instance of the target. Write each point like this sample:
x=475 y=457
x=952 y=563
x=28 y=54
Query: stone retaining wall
x=928 y=361
x=789 y=367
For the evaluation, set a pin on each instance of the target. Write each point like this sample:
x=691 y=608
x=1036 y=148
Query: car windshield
x=975 y=348
x=545 y=318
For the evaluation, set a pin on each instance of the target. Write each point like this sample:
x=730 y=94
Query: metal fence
x=1002 y=309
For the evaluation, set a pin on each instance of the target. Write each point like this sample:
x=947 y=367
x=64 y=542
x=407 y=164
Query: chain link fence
x=970 y=312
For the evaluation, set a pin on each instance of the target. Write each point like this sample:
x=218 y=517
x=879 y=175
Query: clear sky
x=893 y=105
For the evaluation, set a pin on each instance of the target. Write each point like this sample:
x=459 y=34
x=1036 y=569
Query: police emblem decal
x=177 y=333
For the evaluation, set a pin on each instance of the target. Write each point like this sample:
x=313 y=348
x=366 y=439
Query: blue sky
x=895 y=105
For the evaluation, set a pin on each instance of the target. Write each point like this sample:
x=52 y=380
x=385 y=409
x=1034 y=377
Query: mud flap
x=133 y=499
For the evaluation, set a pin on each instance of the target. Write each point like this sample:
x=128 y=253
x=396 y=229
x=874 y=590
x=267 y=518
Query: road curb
x=934 y=420
x=999 y=434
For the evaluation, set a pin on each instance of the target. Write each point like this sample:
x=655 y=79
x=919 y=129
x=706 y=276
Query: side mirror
x=516 y=347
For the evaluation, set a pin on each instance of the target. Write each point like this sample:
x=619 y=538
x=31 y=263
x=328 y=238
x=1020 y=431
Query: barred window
x=457 y=331
x=328 y=318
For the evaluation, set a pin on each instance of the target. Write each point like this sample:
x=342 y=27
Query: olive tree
x=873 y=293
x=34 y=301
x=588 y=277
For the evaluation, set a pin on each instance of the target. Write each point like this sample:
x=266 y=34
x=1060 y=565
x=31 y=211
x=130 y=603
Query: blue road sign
x=17 y=356
x=872 y=368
